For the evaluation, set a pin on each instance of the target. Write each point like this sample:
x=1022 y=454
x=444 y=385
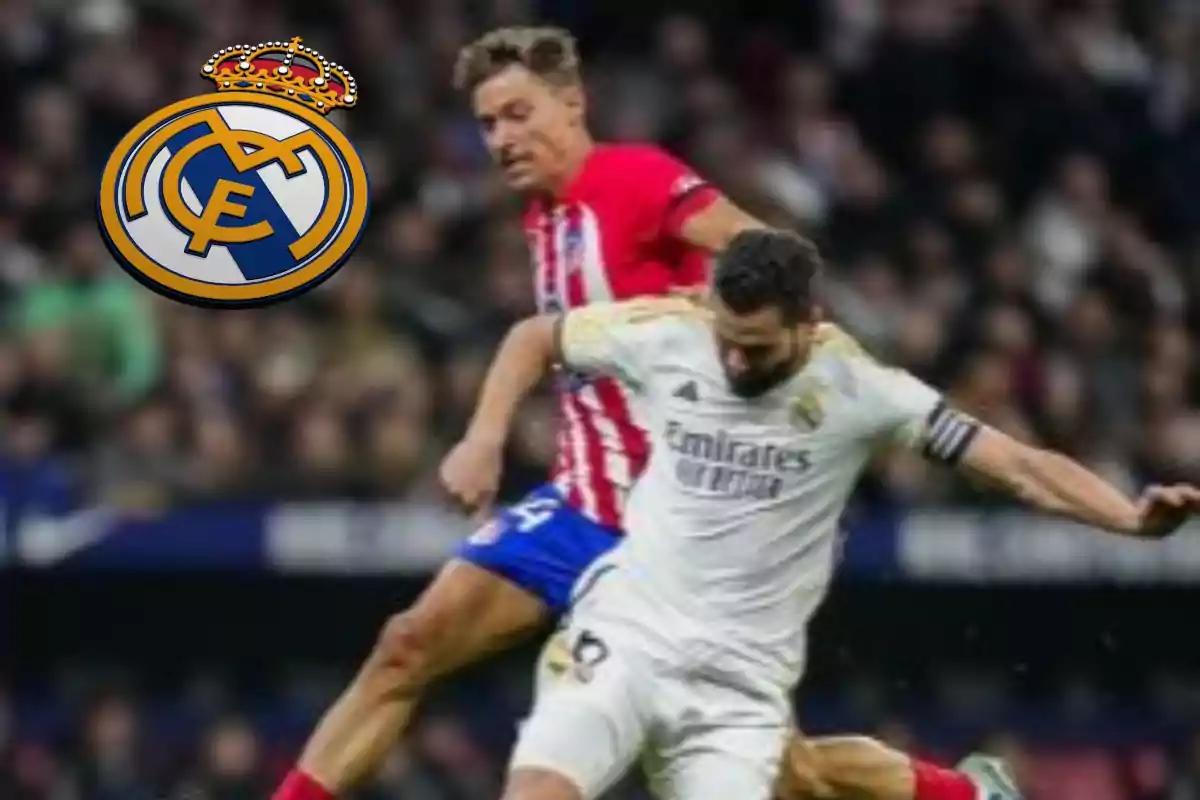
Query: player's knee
x=539 y=784
x=406 y=648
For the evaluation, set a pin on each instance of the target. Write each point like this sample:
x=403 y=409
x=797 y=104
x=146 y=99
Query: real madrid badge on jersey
x=245 y=196
x=808 y=406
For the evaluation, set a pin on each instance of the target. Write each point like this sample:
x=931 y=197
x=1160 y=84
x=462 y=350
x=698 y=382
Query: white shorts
x=610 y=694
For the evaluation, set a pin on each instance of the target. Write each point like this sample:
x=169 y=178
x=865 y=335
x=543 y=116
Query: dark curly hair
x=768 y=268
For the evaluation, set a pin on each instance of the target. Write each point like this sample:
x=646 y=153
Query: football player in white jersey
x=687 y=639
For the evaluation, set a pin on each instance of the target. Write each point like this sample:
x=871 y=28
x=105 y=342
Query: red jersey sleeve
x=672 y=190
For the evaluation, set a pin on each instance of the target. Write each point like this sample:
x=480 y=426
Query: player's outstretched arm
x=606 y=338
x=715 y=226
x=471 y=471
x=525 y=357
x=902 y=406
x=686 y=206
x=1056 y=484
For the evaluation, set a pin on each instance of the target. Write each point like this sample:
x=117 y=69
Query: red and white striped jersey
x=612 y=235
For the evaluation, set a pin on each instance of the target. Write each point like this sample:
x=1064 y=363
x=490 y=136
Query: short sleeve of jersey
x=905 y=409
x=669 y=188
x=618 y=339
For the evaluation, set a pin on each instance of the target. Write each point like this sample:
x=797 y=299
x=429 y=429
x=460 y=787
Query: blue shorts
x=541 y=544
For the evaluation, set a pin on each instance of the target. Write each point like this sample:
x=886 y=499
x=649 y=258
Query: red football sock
x=931 y=782
x=300 y=786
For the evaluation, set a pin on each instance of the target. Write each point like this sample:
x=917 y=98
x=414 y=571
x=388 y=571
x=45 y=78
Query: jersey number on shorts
x=533 y=512
x=588 y=652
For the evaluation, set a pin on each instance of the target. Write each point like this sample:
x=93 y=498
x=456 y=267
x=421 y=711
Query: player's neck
x=798 y=363
x=574 y=156
x=804 y=354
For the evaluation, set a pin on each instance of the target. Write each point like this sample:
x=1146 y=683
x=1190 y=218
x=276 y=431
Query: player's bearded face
x=527 y=123
x=758 y=351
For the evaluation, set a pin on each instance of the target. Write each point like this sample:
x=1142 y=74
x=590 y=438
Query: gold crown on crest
x=287 y=69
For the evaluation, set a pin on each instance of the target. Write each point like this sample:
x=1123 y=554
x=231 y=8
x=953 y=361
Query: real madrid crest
x=808 y=406
x=245 y=196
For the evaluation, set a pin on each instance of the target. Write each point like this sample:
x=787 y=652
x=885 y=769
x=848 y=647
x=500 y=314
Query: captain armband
x=948 y=434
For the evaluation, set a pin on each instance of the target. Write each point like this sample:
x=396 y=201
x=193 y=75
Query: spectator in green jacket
x=108 y=319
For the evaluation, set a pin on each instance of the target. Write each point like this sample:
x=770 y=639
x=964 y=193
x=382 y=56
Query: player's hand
x=471 y=475
x=1162 y=509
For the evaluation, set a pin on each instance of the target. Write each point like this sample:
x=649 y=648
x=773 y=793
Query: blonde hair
x=549 y=53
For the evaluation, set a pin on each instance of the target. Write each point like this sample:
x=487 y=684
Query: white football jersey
x=735 y=520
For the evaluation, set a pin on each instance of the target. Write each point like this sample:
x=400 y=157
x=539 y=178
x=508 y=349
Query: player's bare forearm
x=714 y=227
x=1052 y=483
x=524 y=358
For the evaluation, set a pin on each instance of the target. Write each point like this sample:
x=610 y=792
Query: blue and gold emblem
x=245 y=196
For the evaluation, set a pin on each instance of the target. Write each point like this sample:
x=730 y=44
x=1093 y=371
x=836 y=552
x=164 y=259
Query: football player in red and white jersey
x=604 y=222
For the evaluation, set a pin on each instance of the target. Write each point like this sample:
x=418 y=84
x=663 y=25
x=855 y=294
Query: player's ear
x=573 y=97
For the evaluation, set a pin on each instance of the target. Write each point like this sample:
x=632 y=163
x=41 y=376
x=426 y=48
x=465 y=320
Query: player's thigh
x=716 y=763
x=468 y=612
x=589 y=720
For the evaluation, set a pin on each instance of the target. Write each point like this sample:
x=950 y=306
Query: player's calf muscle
x=464 y=615
x=356 y=732
x=850 y=764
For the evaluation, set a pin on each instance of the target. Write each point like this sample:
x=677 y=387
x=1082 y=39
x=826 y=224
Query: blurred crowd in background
x=1005 y=191
x=114 y=757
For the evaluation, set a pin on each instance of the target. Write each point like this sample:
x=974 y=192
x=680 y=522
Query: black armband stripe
x=948 y=434
x=676 y=200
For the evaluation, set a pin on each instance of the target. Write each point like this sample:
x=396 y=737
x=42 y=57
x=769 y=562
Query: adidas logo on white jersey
x=688 y=391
